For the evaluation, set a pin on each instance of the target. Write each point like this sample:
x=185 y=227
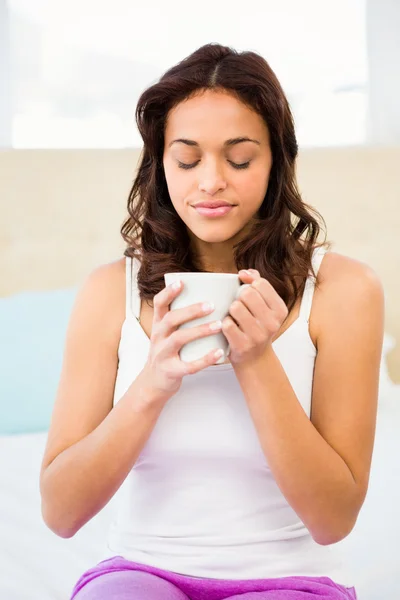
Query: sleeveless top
x=201 y=499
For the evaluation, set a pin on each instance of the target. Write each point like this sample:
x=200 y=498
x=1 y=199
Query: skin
x=321 y=465
x=214 y=177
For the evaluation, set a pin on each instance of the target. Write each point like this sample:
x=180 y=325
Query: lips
x=213 y=212
x=216 y=204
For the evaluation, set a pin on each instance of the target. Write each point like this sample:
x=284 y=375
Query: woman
x=233 y=480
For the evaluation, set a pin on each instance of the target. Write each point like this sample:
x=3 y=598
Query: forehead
x=216 y=116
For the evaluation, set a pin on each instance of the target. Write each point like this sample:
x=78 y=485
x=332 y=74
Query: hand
x=254 y=319
x=164 y=369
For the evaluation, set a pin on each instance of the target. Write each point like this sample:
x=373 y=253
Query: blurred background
x=71 y=73
x=72 y=70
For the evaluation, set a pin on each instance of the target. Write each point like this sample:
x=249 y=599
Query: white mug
x=221 y=289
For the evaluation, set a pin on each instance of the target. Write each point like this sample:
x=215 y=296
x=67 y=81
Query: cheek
x=253 y=189
x=178 y=193
x=177 y=186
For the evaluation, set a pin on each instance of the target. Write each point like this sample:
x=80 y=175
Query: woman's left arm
x=322 y=464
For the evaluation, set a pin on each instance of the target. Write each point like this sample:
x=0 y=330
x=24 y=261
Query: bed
x=51 y=236
x=37 y=565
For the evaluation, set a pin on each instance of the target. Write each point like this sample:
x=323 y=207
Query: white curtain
x=383 y=35
x=72 y=70
x=5 y=78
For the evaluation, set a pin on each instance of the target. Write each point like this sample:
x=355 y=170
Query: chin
x=213 y=235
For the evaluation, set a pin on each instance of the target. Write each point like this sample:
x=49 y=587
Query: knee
x=129 y=585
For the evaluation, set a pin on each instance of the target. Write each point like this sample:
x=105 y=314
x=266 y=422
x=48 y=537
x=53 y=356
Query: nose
x=211 y=180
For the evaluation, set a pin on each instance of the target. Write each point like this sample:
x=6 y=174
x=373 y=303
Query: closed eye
x=182 y=165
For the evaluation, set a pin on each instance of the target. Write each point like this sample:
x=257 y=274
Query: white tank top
x=201 y=499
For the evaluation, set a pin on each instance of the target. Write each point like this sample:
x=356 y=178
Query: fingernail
x=176 y=285
x=208 y=306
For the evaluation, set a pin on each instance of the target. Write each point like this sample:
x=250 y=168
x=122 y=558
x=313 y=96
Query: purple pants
x=120 y=579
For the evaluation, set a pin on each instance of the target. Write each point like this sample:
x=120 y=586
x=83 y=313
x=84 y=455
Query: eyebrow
x=230 y=142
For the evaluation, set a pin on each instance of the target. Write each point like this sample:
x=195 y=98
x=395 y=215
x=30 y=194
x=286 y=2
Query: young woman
x=233 y=480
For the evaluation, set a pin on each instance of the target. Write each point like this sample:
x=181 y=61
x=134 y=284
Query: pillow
x=33 y=327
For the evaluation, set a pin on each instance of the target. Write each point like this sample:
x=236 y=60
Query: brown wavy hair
x=283 y=235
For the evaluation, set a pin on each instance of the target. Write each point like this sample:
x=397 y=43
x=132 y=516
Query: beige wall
x=61 y=213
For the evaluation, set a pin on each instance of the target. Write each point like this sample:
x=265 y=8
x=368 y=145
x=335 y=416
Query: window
x=75 y=68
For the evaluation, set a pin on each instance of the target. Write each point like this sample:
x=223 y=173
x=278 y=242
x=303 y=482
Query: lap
x=120 y=579
x=129 y=585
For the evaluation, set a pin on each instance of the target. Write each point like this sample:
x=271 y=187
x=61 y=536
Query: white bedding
x=36 y=564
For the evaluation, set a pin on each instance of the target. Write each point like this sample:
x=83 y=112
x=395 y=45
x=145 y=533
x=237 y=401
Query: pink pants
x=121 y=579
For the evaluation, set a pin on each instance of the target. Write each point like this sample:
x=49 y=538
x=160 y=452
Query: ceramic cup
x=221 y=289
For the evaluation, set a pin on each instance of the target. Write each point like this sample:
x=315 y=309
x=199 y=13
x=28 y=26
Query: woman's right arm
x=91 y=446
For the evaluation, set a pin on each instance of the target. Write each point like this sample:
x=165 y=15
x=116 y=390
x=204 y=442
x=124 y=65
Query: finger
x=179 y=316
x=270 y=296
x=189 y=368
x=243 y=317
x=232 y=332
x=255 y=317
x=254 y=302
x=248 y=275
x=181 y=337
x=163 y=299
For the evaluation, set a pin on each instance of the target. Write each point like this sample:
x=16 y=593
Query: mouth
x=218 y=211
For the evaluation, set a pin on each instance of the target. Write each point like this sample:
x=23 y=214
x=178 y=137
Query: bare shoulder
x=103 y=293
x=345 y=286
x=109 y=277
x=344 y=280
x=340 y=270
